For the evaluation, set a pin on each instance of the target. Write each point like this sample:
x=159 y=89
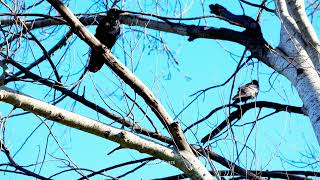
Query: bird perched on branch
x=246 y=92
x=107 y=32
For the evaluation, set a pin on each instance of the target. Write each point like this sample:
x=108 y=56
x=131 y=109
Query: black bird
x=107 y=32
x=246 y=92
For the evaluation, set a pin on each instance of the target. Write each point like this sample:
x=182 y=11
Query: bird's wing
x=244 y=86
x=251 y=90
x=239 y=94
x=245 y=91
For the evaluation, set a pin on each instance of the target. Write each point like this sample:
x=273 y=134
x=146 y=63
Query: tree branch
x=122 y=71
x=258 y=5
x=297 y=11
x=243 y=109
x=17 y=166
x=292 y=175
x=117 y=166
x=133 y=20
x=184 y=161
x=89 y=104
x=226 y=163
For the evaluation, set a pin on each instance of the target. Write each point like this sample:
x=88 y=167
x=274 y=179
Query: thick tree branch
x=89 y=104
x=103 y=111
x=184 y=161
x=243 y=109
x=122 y=71
x=238 y=20
x=180 y=141
x=221 y=160
x=306 y=38
x=312 y=46
x=133 y=20
x=256 y=44
x=292 y=175
x=291 y=60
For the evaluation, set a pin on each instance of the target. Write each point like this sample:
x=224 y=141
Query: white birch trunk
x=292 y=60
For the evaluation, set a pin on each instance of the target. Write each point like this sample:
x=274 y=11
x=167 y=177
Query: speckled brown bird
x=107 y=32
x=246 y=92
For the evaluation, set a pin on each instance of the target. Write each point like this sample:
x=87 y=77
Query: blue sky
x=202 y=63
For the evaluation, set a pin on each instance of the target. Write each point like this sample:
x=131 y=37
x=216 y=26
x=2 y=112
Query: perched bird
x=107 y=32
x=246 y=92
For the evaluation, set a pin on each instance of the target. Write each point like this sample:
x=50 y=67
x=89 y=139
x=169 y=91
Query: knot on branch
x=252 y=37
x=299 y=71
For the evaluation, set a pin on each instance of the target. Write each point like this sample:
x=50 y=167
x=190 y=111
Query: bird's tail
x=96 y=61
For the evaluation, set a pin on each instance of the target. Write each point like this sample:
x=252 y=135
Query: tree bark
x=137 y=85
x=293 y=61
x=184 y=160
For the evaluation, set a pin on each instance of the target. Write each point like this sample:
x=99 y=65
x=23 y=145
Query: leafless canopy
x=57 y=114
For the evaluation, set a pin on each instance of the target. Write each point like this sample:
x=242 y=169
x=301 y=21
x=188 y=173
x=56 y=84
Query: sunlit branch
x=124 y=73
x=138 y=129
x=297 y=175
x=124 y=138
x=90 y=104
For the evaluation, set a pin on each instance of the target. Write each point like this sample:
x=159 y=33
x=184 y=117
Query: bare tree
x=45 y=47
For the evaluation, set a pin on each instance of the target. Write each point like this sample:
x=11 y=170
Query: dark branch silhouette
x=243 y=109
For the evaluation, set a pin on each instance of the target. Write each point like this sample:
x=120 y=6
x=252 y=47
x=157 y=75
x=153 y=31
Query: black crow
x=107 y=32
x=246 y=92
